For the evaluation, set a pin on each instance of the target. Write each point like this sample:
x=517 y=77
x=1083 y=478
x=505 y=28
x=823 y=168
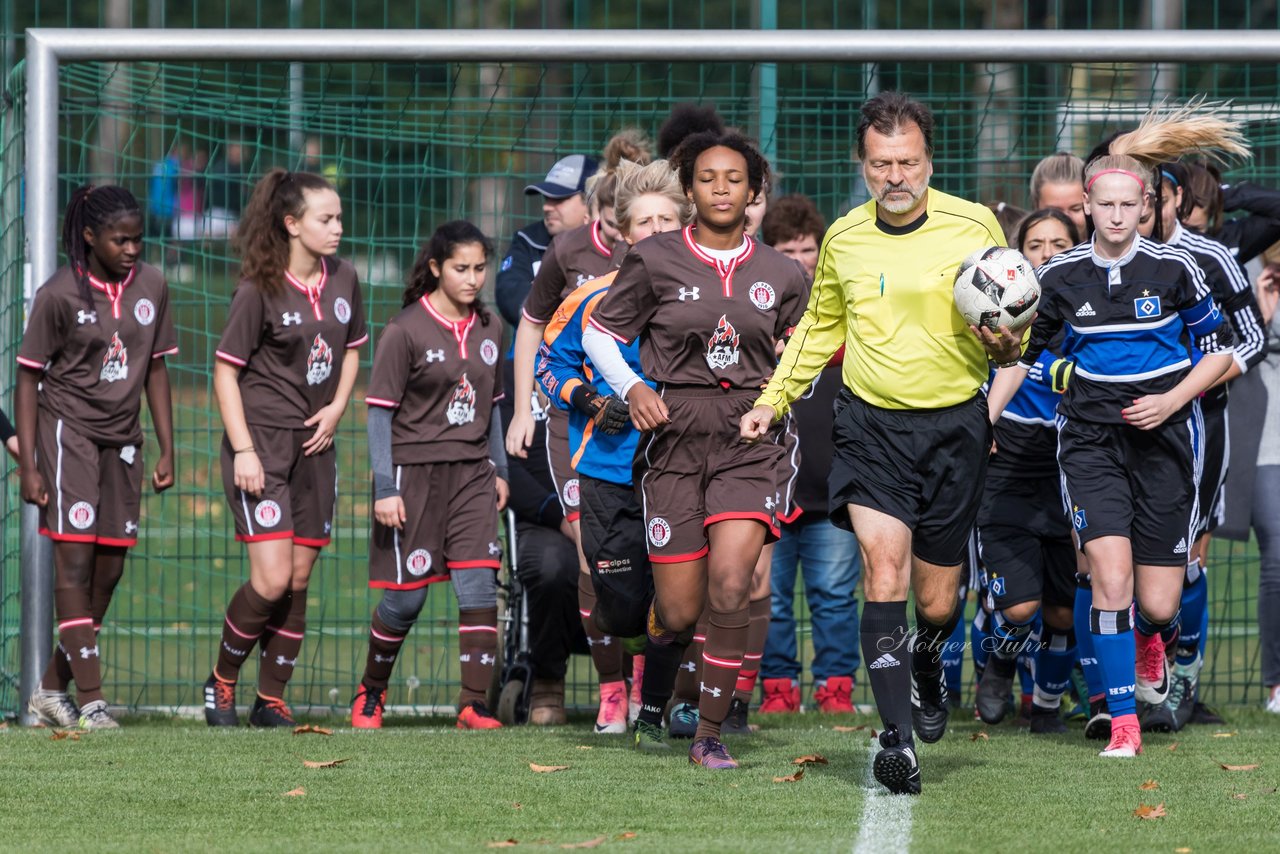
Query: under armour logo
x=434 y=356
x=83 y=317
x=87 y=651
x=281 y=661
x=465 y=658
x=383 y=659
x=604 y=641
x=487 y=659
x=689 y=293
x=131 y=527
x=291 y=318
x=495 y=549
x=691 y=666
x=714 y=692
x=769 y=503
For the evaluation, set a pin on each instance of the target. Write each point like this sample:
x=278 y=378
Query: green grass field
x=169 y=785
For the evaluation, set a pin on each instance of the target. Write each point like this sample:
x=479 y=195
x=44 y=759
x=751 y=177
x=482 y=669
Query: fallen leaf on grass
x=790 y=778
x=503 y=843
x=1149 y=785
x=1182 y=851
x=1174 y=746
x=60 y=734
x=332 y=763
x=1224 y=735
x=546 y=769
x=811 y=759
x=306 y=728
x=584 y=747
x=295 y=793
x=623 y=837
x=1239 y=796
x=1146 y=811
x=517 y=806
x=1226 y=767
x=858 y=728
x=980 y=735
x=590 y=843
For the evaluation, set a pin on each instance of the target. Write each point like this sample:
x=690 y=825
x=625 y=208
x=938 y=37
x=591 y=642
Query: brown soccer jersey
x=705 y=322
x=442 y=379
x=95 y=360
x=572 y=259
x=291 y=345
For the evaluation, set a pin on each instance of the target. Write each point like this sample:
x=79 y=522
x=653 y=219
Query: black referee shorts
x=613 y=541
x=1139 y=484
x=1024 y=540
x=925 y=467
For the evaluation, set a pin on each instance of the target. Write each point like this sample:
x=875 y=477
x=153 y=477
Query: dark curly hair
x=440 y=248
x=261 y=238
x=686 y=156
x=686 y=120
x=93 y=208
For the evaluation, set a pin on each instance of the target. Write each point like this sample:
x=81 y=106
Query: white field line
x=885 y=827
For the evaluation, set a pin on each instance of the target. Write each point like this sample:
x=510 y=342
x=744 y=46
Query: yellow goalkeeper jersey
x=885 y=293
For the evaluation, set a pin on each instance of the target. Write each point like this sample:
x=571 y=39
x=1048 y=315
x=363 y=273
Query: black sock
x=659 y=679
x=888 y=659
x=929 y=641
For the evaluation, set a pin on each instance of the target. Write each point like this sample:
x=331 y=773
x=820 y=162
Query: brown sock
x=478 y=652
x=247 y=616
x=384 y=648
x=721 y=661
x=606 y=652
x=107 y=570
x=759 y=611
x=686 y=690
x=281 y=643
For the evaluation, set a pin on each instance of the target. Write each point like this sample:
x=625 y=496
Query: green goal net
x=411 y=145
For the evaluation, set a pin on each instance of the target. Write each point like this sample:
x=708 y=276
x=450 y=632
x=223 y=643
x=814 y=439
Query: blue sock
x=1027 y=657
x=1113 y=643
x=979 y=643
x=1195 y=613
x=1084 y=640
x=953 y=660
x=1054 y=661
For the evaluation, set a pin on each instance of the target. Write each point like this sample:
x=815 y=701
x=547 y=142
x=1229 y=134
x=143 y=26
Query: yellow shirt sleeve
x=819 y=334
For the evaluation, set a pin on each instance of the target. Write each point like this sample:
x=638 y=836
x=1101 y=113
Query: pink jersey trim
x=412 y=585
x=170 y=352
x=725 y=271
x=31 y=363
x=315 y=544
x=117 y=541
x=260 y=538
x=79 y=621
x=472 y=564
x=358 y=341
x=597 y=239
x=69 y=538
x=283 y=633
x=236 y=629
x=380 y=636
x=227 y=357
x=467 y=629
x=732 y=664
x=796 y=512
x=524 y=312
x=383 y=402
x=608 y=332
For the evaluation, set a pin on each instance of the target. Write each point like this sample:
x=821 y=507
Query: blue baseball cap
x=567 y=177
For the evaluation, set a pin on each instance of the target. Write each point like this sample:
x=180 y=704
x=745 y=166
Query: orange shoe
x=781 y=696
x=475 y=715
x=835 y=695
x=1126 y=738
x=637 y=679
x=366 y=708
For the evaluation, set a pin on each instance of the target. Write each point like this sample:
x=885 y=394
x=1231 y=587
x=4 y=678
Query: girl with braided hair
x=1132 y=311
x=98 y=334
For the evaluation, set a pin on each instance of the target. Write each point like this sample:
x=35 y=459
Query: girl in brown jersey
x=98 y=332
x=286 y=364
x=435 y=447
x=708 y=305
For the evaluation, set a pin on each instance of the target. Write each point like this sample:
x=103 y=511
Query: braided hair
x=440 y=248
x=93 y=208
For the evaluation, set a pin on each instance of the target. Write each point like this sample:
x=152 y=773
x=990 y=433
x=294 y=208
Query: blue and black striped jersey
x=1130 y=324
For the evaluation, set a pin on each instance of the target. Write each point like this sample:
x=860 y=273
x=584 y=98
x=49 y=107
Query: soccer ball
x=996 y=287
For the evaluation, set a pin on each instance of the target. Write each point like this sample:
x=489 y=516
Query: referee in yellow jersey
x=911 y=431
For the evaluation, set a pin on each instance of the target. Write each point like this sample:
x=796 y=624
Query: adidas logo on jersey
x=1085 y=310
x=884 y=661
x=1181 y=547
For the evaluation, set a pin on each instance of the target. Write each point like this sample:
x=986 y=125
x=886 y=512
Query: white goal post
x=47 y=48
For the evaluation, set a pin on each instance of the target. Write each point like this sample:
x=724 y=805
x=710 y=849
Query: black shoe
x=736 y=721
x=929 y=707
x=994 y=689
x=270 y=713
x=1202 y=714
x=1173 y=714
x=896 y=766
x=1046 y=721
x=1099 y=726
x=220 y=702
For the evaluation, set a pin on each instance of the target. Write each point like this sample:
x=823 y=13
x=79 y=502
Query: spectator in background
x=564 y=207
x=547 y=566
x=162 y=192
x=1058 y=182
x=827 y=556
x=1253 y=479
x=224 y=193
x=313 y=160
x=188 y=220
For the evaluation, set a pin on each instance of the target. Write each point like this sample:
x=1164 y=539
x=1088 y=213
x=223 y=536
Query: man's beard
x=901 y=206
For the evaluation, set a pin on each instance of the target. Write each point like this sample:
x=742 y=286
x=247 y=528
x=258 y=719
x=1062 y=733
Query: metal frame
x=47 y=48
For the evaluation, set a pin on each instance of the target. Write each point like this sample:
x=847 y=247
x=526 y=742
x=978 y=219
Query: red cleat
x=366 y=708
x=475 y=715
x=1126 y=738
